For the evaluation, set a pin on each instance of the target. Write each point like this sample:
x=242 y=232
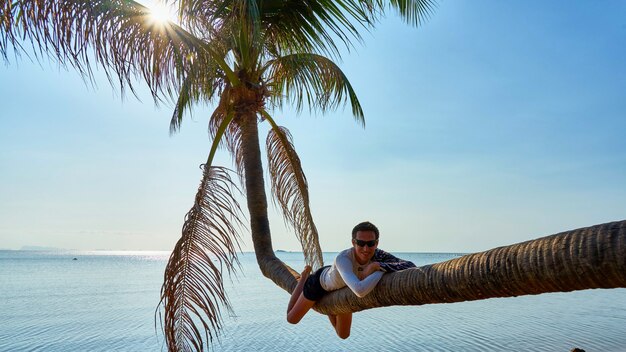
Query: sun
x=161 y=13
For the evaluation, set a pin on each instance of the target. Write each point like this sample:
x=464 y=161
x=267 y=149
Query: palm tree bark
x=272 y=267
x=586 y=258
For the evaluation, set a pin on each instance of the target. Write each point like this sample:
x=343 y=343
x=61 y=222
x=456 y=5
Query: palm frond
x=291 y=25
x=291 y=191
x=312 y=26
x=118 y=34
x=248 y=24
x=193 y=289
x=199 y=14
x=413 y=12
x=311 y=79
x=198 y=85
x=234 y=24
x=185 y=98
x=232 y=134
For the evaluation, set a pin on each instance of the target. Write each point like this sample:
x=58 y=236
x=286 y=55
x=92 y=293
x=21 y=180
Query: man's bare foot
x=305 y=273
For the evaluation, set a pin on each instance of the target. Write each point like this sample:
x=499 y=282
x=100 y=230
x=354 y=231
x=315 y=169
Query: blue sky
x=493 y=123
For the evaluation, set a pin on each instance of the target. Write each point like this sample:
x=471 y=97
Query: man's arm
x=390 y=263
x=360 y=287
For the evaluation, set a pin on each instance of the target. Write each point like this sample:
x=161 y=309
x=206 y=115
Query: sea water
x=106 y=301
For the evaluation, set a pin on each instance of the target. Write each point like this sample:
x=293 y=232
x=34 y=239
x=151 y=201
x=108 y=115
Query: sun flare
x=161 y=13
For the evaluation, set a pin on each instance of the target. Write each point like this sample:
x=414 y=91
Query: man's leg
x=298 y=304
x=302 y=306
x=333 y=319
x=342 y=324
x=298 y=290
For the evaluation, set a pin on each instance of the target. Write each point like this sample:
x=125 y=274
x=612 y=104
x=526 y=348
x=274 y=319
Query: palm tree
x=248 y=57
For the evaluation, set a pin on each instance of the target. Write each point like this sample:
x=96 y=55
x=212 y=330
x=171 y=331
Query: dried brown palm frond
x=193 y=289
x=291 y=192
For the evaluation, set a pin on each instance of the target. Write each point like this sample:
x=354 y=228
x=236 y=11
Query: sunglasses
x=362 y=243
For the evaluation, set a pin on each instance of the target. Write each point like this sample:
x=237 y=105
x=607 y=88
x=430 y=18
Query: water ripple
x=106 y=303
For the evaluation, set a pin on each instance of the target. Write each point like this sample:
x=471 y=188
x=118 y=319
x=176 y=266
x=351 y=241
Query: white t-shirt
x=343 y=273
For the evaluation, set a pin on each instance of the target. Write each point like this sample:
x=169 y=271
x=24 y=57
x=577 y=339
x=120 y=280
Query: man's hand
x=368 y=270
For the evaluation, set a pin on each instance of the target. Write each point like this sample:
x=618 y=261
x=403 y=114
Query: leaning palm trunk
x=272 y=267
x=592 y=257
x=586 y=258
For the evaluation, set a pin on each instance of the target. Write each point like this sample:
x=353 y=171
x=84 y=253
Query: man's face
x=364 y=253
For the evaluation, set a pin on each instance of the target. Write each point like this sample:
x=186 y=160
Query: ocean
x=106 y=301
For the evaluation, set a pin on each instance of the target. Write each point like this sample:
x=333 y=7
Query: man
x=359 y=267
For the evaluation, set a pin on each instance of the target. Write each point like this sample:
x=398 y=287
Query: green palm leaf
x=232 y=133
x=291 y=191
x=197 y=87
x=185 y=98
x=118 y=34
x=311 y=79
x=311 y=26
x=291 y=25
x=414 y=12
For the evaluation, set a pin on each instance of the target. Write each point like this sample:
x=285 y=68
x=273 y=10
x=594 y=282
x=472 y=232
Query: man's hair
x=365 y=226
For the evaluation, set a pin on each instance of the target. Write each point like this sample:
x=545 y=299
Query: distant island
x=40 y=248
